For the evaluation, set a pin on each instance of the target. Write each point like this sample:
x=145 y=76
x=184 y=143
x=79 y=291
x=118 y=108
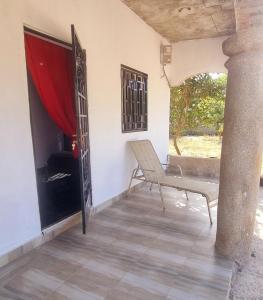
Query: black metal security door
x=80 y=82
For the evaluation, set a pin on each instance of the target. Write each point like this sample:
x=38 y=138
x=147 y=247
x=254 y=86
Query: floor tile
x=132 y=251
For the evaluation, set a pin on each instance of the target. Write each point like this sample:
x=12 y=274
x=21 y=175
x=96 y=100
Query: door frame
x=61 y=43
x=47 y=37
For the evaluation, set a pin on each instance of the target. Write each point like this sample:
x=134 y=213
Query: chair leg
x=209 y=212
x=129 y=188
x=161 y=195
x=186 y=195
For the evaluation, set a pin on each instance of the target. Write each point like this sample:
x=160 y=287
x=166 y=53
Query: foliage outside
x=197 y=103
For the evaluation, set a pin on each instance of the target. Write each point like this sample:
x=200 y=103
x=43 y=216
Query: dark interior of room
x=57 y=171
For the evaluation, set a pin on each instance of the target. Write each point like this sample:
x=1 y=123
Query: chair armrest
x=175 y=166
x=152 y=171
x=139 y=168
x=148 y=170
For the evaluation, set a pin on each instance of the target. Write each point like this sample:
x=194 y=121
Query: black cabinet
x=58 y=189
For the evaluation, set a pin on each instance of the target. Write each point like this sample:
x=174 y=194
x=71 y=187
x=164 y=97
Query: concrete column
x=242 y=144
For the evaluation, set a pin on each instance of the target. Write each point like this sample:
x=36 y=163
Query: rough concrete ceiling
x=179 y=20
x=249 y=13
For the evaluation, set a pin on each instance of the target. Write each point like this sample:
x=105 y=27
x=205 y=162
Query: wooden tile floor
x=132 y=251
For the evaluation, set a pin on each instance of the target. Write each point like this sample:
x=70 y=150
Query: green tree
x=198 y=102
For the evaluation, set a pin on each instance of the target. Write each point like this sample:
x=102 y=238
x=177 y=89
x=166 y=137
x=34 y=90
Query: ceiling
x=179 y=20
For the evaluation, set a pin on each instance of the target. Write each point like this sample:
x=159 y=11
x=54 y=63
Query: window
x=134 y=99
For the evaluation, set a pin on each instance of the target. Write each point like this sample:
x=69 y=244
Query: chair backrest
x=147 y=159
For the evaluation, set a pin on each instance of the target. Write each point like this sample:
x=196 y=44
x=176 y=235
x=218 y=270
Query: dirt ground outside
x=199 y=146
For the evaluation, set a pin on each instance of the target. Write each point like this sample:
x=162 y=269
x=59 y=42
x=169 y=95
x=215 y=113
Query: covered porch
x=132 y=250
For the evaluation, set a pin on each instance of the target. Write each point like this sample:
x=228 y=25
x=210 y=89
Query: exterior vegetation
x=197 y=105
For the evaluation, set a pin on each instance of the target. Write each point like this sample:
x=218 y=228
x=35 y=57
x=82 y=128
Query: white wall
x=112 y=35
x=196 y=56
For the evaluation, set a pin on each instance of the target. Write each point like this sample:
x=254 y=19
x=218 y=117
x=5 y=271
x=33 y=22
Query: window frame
x=145 y=108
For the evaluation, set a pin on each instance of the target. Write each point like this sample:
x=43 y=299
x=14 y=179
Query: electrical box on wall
x=166 y=54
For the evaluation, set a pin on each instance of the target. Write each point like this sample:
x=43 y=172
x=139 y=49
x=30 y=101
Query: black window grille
x=134 y=100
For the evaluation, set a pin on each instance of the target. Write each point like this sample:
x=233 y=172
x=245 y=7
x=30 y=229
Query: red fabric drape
x=51 y=70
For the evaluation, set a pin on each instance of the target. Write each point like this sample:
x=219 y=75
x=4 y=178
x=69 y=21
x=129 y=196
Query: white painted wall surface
x=112 y=35
x=196 y=56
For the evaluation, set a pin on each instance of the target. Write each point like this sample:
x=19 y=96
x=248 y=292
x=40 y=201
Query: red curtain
x=51 y=70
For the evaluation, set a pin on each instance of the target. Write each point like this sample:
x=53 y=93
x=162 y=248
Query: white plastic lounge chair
x=151 y=170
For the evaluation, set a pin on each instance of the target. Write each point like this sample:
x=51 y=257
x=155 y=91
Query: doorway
x=59 y=124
